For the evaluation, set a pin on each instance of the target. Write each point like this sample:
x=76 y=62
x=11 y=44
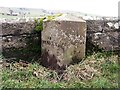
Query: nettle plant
x=39 y=22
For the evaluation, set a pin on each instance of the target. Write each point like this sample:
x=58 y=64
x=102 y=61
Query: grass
x=99 y=70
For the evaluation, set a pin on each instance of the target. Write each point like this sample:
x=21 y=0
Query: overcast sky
x=98 y=7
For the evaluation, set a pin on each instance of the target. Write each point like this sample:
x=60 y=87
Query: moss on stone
x=39 y=23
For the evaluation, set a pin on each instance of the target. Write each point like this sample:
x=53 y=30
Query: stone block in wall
x=17 y=28
x=106 y=41
x=14 y=41
x=64 y=39
x=21 y=41
x=20 y=47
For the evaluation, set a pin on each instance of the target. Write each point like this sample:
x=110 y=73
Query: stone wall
x=14 y=34
x=21 y=35
x=104 y=34
x=98 y=32
x=19 y=40
x=17 y=28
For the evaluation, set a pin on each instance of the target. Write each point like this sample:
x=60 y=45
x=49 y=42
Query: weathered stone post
x=64 y=40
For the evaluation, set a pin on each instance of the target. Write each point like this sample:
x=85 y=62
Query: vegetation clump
x=39 y=22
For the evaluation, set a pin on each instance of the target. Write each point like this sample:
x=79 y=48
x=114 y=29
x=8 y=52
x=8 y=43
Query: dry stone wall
x=17 y=28
x=15 y=34
x=104 y=35
x=98 y=32
x=18 y=40
x=21 y=35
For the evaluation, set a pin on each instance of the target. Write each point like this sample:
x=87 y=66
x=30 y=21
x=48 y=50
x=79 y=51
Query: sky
x=97 y=7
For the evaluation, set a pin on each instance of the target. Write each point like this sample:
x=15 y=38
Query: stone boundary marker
x=64 y=39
